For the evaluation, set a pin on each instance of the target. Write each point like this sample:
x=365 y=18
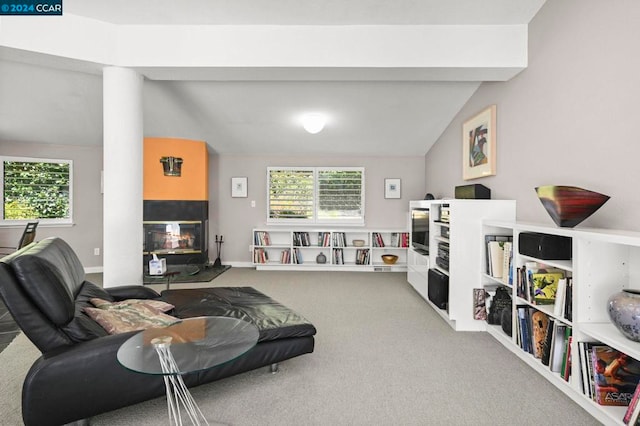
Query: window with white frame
x=36 y=189
x=316 y=195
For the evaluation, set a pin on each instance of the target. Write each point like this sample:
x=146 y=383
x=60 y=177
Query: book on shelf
x=301 y=239
x=565 y=371
x=557 y=347
x=586 y=366
x=339 y=239
x=260 y=256
x=538 y=283
x=497 y=256
x=559 y=303
x=378 y=241
x=633 y=410
x=285 y=256
x=362 y=257
x=568 y=300
x=524 y=330
x=261 y=238
x=324 y=239
x=338 y=256
x=539 y=324
x=545 y=286
x=546 y=347
x=507 y=263
x=399 y=239
x=297 y=256
x=615 y=376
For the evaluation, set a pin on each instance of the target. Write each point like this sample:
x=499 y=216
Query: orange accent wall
x=194 y=182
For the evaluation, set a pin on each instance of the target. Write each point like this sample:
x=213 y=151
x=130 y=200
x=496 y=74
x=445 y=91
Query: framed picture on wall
x=392 y=188
x=479 y=145
x=239 y=187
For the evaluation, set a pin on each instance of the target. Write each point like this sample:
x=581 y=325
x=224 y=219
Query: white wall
x=235 y=218
x=569 y=119
x=232 y=217
x=86 y=232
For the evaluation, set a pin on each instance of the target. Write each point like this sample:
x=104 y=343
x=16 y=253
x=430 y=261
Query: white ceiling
x=46 y=100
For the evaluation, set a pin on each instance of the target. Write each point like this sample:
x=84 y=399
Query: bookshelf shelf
x=603 y=262
x=297 y=249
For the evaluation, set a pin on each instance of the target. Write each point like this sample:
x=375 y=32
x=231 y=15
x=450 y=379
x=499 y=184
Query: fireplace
x=176 y=231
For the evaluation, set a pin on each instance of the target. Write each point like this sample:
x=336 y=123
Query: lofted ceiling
x=372 y=110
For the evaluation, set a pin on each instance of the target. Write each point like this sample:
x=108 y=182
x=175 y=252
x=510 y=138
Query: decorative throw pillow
x=158 y=305
x=133 y=318
x=129 y=317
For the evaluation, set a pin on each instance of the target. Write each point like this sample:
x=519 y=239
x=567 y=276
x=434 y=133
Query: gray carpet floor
x=382 y=357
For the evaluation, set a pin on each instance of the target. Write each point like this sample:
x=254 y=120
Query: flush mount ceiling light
x=313 y=122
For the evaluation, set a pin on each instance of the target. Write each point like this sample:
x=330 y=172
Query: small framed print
x=239 y=187
x=392 y=188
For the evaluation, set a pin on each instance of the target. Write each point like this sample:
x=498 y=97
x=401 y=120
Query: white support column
x=122 y=163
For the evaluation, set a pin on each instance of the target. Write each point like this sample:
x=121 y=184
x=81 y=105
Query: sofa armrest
x=132 y=292
x=82 y=381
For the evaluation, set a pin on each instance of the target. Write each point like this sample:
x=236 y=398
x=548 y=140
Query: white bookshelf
x=603 y=263
x=466 y=255
x=338 y=247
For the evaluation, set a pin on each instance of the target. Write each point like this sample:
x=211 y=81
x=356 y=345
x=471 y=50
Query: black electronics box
x=545 y=246
x=438 y=288
x=475 y=191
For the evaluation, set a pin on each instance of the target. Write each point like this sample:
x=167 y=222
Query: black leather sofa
x=78 y=375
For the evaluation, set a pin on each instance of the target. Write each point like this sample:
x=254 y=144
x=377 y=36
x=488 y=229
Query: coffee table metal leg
x=177 y=392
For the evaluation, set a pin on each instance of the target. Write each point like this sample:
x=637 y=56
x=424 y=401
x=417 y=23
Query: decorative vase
x=624 y=311
x=321 y=258
x=569 y=205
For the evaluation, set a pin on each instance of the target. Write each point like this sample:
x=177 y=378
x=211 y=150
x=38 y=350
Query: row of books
x=545 y=338
x=287 y=256
x=301 y=239
x=399 y=239
x=260 y=255
x=362 y=257
x=500 y=257
x=378 y=241
x=539 y=284
x=261 y=238
x=609 y=376
x=339 y=239
x=324 y=239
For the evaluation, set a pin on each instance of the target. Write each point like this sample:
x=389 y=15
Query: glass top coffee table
x=194 y=344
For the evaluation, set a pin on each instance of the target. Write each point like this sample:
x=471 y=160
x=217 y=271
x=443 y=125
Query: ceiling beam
x=254 y=52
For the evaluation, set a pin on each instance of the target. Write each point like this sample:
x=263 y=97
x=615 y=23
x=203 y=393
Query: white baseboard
x=94 y=270
x=239 y=264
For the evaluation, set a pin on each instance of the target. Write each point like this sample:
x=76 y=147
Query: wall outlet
x=96 y=251
x=253 y=203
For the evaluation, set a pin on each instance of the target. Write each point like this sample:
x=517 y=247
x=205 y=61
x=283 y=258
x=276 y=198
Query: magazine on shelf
x=615 y=376
x=545 y=286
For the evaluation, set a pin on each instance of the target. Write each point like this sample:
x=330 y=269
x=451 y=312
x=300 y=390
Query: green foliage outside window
x=316 y=194
x=36 y=190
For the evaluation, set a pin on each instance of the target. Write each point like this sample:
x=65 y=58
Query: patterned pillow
x=158 y=305
x=130 y=317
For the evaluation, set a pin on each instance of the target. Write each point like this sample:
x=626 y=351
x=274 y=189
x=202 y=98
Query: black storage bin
x=438 y=288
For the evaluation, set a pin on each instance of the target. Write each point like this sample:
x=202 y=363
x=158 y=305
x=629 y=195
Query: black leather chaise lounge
x=78 y=375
